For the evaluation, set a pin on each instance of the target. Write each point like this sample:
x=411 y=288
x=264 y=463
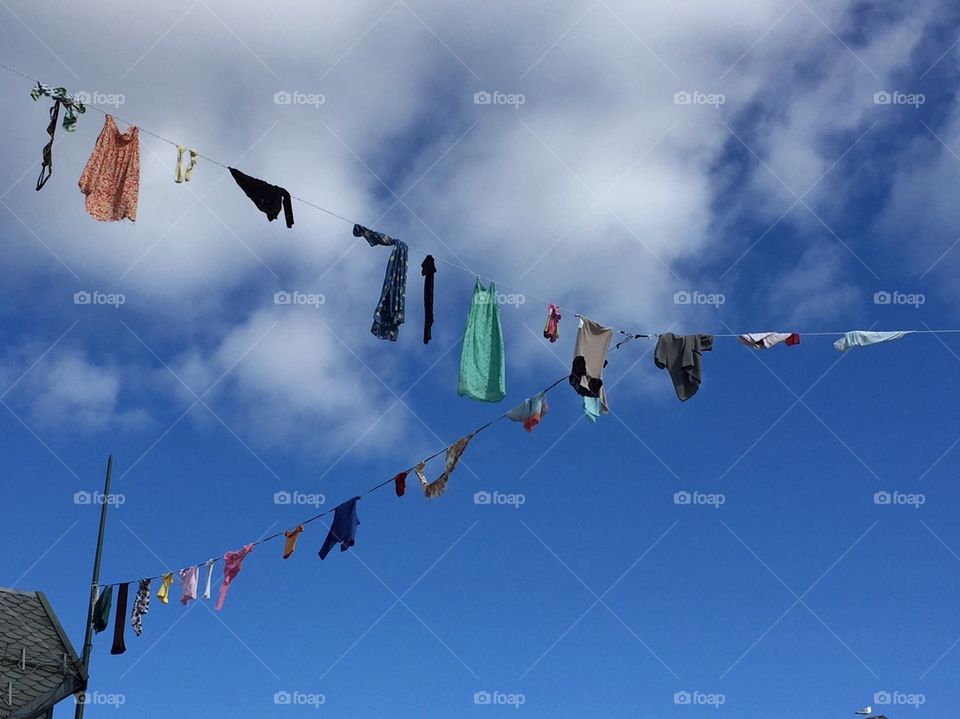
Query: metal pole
x=88 y=636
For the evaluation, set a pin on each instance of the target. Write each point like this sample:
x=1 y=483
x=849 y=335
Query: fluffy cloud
x=601 y=191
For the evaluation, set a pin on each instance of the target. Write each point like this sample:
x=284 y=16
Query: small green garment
x=101 y=610
x=482 y=366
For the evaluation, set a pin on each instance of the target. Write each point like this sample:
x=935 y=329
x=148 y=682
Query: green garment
x=482 y=372
x=101 y=610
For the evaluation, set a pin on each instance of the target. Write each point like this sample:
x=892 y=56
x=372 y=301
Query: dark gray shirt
x=681 y=357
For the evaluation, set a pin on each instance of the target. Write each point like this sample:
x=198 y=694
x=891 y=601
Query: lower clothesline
x=385 y=483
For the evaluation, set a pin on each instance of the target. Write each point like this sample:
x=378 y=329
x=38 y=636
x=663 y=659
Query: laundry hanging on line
x=437 y=487
x=141 y=605
x=101 y=610
x=343 y=528
x=181 y=173
x=232 y=563
x=111 y=177
x=120 y=622
x=389 y=314
x=373 y=237
x=530 y=412
x=268 y=198
x=71 y=108
x=188 y=584
x=766 y=340
x=682 y=357
x=586 y=371
x=551 y=330
x=863 y=338
x=428 y=269
x=482 y=359
x=290 y=545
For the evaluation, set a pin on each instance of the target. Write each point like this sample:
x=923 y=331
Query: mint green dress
x=482 y=371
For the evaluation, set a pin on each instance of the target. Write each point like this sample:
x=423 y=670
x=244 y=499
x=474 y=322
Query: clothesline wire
x=455 y=265
x=359 y=496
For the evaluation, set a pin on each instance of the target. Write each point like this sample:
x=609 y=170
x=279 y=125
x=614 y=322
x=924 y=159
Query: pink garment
x=232 y=561
x=188 y=581
x=552 y=329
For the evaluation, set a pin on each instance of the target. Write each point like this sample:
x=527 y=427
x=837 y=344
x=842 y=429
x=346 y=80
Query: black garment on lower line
x=268 y=198
x=118 y=645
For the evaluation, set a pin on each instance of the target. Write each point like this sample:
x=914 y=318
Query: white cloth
x=188 y=583
x=206 y=592
x=861 y=338
x=764 y=340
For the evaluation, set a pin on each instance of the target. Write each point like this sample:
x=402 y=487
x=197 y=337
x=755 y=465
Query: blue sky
x=814 y=166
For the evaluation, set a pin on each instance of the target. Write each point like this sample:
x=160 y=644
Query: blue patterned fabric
x=389 y=314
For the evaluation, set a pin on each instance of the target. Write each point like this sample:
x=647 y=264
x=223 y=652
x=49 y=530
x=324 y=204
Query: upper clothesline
x=179 y=175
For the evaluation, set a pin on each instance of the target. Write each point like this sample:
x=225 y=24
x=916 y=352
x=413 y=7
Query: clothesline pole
x=88 y=636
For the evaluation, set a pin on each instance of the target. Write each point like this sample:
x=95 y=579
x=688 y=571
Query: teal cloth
x=591 y=408
x=101 y=610
x=482 y=371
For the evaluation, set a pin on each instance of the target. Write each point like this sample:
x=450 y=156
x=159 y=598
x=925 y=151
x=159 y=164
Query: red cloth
x=793 y=339
x=401 y=483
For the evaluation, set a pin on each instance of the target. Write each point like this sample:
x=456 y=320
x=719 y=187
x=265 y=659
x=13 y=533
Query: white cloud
x=515 y=197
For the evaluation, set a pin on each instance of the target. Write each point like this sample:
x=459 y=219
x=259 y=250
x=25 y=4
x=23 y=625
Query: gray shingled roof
x=38 y=666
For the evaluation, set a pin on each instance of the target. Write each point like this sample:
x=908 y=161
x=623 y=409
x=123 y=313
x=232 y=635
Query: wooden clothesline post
x=88 y=636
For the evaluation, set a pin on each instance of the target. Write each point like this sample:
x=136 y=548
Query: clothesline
x=315 y=206
x=362 y=494
x=462 y=268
